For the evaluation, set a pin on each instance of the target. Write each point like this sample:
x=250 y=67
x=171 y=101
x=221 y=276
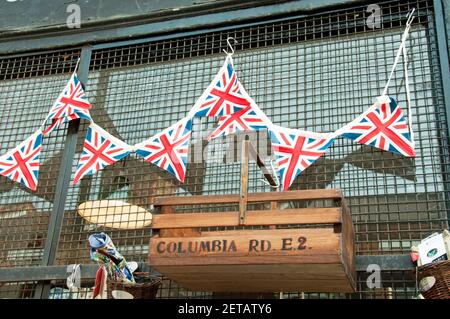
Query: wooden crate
x=309 y=249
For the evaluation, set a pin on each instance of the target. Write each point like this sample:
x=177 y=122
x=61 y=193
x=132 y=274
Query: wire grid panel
x=29 y=84
x=315 y=73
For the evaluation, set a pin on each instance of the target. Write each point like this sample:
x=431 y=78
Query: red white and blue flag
x=250 y=118
x=71 y=104
x=169 y=149
x=100 y=149
x=296 y=150
x=224 y=96
x=382 y=126
x=22 y=163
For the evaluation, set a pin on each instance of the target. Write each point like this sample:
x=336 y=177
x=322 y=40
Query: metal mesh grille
x=316 y=73
x=28 y=87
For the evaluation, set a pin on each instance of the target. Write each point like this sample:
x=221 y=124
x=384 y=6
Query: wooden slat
x=320 y=245
x=244 y=183
x=169 y=211
x=301 y=216
x=348 y=244
x=312 y=194
x=258 y=278
x=323 y=271
x=288 y=258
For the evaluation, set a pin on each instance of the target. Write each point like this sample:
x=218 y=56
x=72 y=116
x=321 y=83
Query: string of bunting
x=383 y=126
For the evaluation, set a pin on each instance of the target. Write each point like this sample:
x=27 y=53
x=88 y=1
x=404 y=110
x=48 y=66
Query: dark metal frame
x=48 y=273
x=444 y=65
x=62 y=184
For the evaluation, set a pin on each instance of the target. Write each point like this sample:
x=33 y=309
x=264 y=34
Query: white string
x=76 y=66
x=43 y=124
x=408 y=95
x=400 y=49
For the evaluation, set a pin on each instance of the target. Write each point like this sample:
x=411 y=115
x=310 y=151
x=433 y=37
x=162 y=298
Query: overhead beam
x=201 y=21
x=39 y=273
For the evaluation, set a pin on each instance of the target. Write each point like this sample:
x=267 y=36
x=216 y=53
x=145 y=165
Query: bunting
x=250 y=118
x=224 y=96
x=71 y=104
x=296 y=150
x=22 y=163
x=382 y=126
x=100 y=149
x=169 y=149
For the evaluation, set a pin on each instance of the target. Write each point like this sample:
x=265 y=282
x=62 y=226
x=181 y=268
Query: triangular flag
x=249 y=118
x=296 y=150
x=224 y=95
x=71 y=104
x=169 y=149
x=382 y=126
x=22 y=163
x=100 y=149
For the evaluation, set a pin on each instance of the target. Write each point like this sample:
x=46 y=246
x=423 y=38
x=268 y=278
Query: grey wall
x=36 y=14
x=27 y=25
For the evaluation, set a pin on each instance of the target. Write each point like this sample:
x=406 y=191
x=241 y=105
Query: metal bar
x=441 y=36
x=63 y=183
x=244 y=182
x=386 y=262
x=48 y=273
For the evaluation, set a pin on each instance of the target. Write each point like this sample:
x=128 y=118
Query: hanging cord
x=402 y=50
x=76 y=66
x=74 y=71
x=274 y=174
x=230 y=46
x=408 y=96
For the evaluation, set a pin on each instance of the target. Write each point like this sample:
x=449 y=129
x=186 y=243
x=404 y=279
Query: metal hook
x=274 y=171
x=230 y=46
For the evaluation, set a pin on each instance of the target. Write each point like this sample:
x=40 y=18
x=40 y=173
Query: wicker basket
x=441 y=272
x=146 y=286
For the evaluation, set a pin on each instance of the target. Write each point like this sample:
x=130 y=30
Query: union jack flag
x=100 y=149
x=250 y=118
x=71 y=104
x=296 y=150
x=383 y=126
x=224 y=95
x=169 y=149
x=22 y=163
